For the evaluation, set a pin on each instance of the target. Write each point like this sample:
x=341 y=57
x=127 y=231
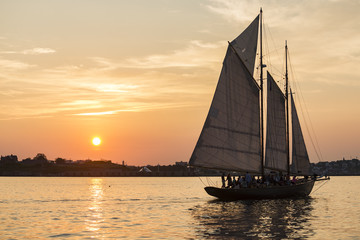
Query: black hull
x=274 y=192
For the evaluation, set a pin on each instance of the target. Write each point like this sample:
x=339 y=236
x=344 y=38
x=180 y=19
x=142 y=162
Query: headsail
x=300 y=159
x=230 y=138
x=276 y=155
x=246 y=43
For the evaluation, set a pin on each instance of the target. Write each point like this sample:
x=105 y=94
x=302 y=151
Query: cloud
x=104 y=64
x=136 y=108
x=80 y=102
x=101 y=113
x=194 y=54
x=38 y=51
x=14 y=65
x=115 y=88
x=109 y=86
x=33 y=51
x=8 y=52
x=234 y=10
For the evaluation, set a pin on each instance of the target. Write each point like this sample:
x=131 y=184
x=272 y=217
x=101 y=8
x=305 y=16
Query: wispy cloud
x=115 y=88
x=14 y=65
x=32 y=51
x=195 y=54
x=80 y=102
x=101 y=113
x=136 y=108
x=233 y=10
x=111 y=86
x=38 y=51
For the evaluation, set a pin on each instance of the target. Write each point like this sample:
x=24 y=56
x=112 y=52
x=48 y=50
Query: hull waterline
x=299 y=190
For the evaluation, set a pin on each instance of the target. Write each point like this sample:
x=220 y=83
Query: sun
x=96 y=141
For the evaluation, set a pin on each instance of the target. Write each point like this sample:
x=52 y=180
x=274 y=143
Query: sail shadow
x=261 y=219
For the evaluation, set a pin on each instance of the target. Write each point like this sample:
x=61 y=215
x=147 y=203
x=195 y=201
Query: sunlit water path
x=169 y=208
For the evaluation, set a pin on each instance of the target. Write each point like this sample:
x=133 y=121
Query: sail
x=246 y=43
x=230 y=138
x=276 y=154
x=300 y=159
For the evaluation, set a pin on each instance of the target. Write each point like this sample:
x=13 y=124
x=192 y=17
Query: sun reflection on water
x=95 y=210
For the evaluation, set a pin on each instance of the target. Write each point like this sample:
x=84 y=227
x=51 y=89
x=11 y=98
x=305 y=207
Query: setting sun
x=96 y=141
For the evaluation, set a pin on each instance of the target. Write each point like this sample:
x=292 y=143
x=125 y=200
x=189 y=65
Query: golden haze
x=141 y=74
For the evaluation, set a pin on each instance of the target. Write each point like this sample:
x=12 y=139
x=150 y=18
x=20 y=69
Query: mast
x=287 y=111
x=262 y=98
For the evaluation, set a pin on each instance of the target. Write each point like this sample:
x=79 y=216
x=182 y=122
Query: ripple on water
x=86 y=208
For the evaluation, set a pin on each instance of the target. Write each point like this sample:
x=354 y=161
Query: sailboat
x=232 y=138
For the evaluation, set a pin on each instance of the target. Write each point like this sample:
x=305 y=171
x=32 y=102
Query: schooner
x=232 y=138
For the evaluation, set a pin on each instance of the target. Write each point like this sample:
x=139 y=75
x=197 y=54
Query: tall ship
x=233 y=136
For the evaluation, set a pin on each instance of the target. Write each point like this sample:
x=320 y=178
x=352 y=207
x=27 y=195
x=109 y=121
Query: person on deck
x=243 y=184
x=287 y=179
x=248 y=178
x=223 y=180
x=229 y=180
x=267 y=180
x=277 y=179
x=239 y=180
x=234 y=182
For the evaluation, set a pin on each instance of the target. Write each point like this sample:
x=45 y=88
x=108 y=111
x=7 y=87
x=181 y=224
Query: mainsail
x=300 y=159
x=230 y=138
x=276 y=155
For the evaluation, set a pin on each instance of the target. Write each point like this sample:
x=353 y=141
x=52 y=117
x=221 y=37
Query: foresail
x=276 y=154
x=246 y=43
x=230 y=138
x=300 y=159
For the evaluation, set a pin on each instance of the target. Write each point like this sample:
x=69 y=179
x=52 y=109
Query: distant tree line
x=41 y=166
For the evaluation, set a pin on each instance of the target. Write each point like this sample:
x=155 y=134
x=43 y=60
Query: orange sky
x=141 y=74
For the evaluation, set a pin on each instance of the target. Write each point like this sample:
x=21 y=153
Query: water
x=169 y=208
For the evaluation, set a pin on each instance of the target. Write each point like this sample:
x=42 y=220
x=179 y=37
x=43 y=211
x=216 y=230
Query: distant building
x=9 y=159
x=338 y=168
x=184 y=164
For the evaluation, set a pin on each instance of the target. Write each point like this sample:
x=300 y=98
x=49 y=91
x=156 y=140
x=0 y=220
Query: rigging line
x=279 y=73
x=319 y=187
x=273 y=51
x=202 y=181
x=273 y=42
x=317 y=148
x=207 y=180
x=211 y=182
x=275 y=48
x=272 y=68
x=267 y=49
x=316 y=145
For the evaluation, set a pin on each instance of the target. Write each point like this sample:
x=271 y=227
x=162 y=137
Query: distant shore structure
x=41 y=166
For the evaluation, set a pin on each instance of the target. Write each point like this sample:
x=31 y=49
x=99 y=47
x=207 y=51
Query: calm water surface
x=169 y=208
